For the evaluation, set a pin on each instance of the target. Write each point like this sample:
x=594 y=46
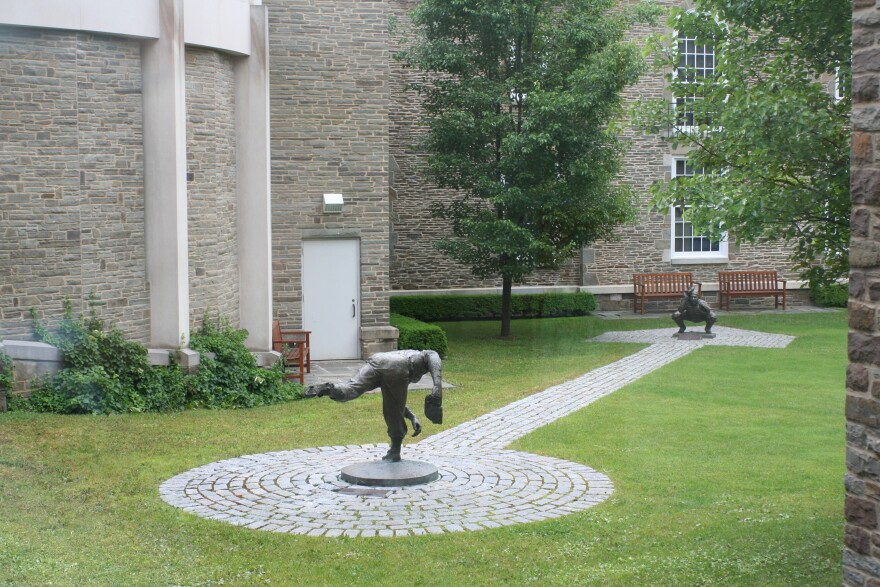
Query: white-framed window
x=839 y=85
x=687 y=245
x=696 y=61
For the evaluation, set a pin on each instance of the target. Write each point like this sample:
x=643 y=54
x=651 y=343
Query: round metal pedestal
x=386 y=474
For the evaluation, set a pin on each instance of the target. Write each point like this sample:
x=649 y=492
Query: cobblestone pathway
x=482 y=485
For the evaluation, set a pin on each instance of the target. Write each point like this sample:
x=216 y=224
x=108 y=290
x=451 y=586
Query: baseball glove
x=434 y=408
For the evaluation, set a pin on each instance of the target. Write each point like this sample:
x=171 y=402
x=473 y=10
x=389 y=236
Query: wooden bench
x=749 y=283
x=294 y=348
x=661 y=285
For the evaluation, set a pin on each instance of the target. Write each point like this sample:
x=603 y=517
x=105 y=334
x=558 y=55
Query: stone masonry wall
x=638 y=247
x=71 y=179
x=210 y=141
x=861 y=558
x=329 y=107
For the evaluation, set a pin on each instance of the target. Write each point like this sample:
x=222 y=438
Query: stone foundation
x=378 y=339
x=29 y=361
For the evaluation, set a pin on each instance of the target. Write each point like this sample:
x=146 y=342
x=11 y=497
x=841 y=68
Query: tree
x=520 y=99
x=768 y=128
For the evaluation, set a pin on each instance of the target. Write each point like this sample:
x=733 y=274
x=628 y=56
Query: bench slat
x=660 y=285
x=750 y=283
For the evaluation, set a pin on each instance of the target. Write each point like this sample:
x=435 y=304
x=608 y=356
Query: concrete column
x=165 y=179
x=253 y=185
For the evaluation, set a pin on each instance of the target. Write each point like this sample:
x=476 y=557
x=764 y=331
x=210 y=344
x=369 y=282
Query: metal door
x=331 y=297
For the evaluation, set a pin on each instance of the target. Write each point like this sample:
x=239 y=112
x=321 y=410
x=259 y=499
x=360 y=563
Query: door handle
x=353 y=309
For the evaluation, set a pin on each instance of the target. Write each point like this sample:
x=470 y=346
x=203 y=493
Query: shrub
x=488 y=306
x=229 y=376
x=573 y=304
x=5 y=372
x=415 y=334
x=85 y=390
x=167 y=389
x=835 y=295
x=6 y=380
x=103 y=373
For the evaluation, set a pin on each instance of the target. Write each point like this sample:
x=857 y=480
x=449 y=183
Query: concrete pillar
x=165 y=179
x=253 y=185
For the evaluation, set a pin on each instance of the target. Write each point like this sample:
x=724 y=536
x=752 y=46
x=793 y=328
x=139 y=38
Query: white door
x=331 y=297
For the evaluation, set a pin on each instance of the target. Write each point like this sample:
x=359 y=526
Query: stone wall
x=329 y=64
x=639 y=247
x=861 y=558
x=213 y=242
x=71 y=178
x=643 y=247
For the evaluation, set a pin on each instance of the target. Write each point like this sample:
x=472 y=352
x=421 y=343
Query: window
x=841 y=82
x=696 y=62
x=687 y=245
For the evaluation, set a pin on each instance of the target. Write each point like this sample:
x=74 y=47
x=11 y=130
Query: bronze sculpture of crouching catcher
x=693 y=309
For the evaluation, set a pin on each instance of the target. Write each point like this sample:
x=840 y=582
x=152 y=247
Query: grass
x=728 y=466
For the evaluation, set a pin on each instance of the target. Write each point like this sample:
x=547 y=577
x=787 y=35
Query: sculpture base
x=386 y=474
x=693 y=335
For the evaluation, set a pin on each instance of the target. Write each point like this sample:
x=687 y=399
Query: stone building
x=861 y=557
x=134 y=164
x=605 y=268
x=136 y=159
x=167 y=159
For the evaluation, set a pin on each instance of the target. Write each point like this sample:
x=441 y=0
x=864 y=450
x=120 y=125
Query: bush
x=6 y=380
x=5 y=372
x=231 y=377
x=415 y=334
x=488 y=306
x=835 y=295
x=85 y=390
x=105 y=374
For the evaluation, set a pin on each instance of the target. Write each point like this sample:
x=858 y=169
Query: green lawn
x=728 y=467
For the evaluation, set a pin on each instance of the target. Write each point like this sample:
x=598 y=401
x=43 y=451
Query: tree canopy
x=520 y=100
x=770 y=127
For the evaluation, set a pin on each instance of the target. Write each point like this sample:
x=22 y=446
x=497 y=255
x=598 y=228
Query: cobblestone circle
x=482 y=485
x=299 y=492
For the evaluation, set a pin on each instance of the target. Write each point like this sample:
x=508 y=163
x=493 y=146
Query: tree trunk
x=506 y=290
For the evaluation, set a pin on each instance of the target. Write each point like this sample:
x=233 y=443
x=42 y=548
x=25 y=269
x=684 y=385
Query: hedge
x=415 y=334
x=835 y=295
x=433 y=308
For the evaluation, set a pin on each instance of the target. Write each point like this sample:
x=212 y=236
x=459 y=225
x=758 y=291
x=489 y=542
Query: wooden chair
x=294 y=348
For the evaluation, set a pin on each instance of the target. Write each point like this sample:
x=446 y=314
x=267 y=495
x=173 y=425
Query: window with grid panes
x=696 y=61
x=686 y=242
